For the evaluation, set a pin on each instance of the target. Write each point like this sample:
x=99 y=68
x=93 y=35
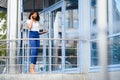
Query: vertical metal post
x=63 y=35
x=80 y=43
x=19 y=17
x=27 y=52
x=19 y=35
x=50 y=42
x=8 y=33
x=44 y=48
x=22 y=47
x=12 y=20
x=89 y=27
x=102 y=37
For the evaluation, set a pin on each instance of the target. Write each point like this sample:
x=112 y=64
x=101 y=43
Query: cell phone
x=41 y=30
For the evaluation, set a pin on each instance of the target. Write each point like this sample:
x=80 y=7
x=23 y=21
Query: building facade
x=82 y=34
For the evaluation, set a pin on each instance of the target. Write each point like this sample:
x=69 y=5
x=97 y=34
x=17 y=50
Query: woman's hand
x=46 y=30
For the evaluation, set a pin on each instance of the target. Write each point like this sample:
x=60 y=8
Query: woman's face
x=34 y=16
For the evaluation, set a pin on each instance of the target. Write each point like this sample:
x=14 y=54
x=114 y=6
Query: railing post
x=50 y=42
x=63 y=35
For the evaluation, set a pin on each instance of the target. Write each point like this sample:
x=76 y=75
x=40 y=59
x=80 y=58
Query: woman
x=34 y=26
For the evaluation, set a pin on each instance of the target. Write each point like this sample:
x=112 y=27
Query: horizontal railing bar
x=24 y=64
x=7 y=57
x=33 y=48
x=42 y=39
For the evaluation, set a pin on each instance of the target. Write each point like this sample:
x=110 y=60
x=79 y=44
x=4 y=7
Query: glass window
x=113 y=32
x=94 y=54
x=71 y=3
x=93 y=35
x=93 y=21
x=30 y=5
x=71 y=33
x=48 y=3
x=114 y=50
x=114 y=26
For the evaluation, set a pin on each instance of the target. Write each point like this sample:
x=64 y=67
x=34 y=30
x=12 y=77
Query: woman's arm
x=29 y=24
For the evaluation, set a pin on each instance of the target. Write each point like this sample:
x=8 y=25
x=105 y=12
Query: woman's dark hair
x=37 y=18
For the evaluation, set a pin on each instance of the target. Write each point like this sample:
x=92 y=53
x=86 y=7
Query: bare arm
x=29 y=25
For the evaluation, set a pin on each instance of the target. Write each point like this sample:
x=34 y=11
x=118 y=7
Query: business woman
x=34 y=26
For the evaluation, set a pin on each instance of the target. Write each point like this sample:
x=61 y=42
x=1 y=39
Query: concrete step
x=42 y=77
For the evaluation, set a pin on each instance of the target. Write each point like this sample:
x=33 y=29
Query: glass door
x=57 y=42
x=62 y=48
x=71 y=34
x=53 y=49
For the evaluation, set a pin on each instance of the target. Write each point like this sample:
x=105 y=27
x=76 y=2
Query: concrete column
x=102 y=37
x=12 y=26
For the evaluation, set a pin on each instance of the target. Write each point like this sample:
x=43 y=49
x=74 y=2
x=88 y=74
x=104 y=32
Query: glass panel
x=114 y=30
x=71 y=54
x=114 y=50
x=115 y=26
x=48 y=3
x=3 y=32
x=38 y=5
x=94 y=54
x=30 y=5
x=3 y=56
x=71 y=34
x=46 y=59
x=93 y=34
x=72 y=4
x=93 y=28
x=56 y=35
x=27 y=3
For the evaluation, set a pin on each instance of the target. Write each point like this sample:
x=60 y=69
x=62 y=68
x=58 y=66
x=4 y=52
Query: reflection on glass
x=114 y=30
x=48 y=3
x=114 y=50
x=93 y=33
x=30 y=5
x=71 y=56
x=93 y=20
x=56 y=34
x=71 y=33
x=115 y=26
x=72 y=4
x=94 y=54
